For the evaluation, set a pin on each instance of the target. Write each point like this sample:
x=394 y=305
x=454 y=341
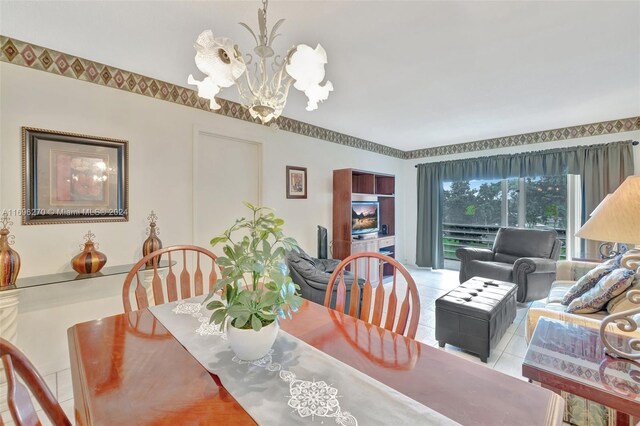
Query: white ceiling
x=406 y=74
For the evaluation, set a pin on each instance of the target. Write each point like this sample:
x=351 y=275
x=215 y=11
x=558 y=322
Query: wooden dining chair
x=181 y=258
x=20 y=405
x=371 y=303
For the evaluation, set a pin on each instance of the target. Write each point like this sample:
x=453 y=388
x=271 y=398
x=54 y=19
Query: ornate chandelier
x=264 y=91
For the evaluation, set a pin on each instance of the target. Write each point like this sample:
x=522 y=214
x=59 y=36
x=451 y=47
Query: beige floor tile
x=427 y=317
x=517 y=346
x=65 y=387
x=511 y=365
x=426 y=335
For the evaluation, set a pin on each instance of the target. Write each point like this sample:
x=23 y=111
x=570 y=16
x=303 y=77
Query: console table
x=9 y=300
x=568 y=357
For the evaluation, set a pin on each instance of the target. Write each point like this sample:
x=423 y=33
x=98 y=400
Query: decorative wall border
x=581 y=131
x=37 y=57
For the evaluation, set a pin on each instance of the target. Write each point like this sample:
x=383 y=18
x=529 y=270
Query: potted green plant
x=256 y=286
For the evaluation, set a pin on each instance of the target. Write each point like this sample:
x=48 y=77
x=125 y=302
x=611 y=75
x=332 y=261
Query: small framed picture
x=296 y=182
x=72 y=178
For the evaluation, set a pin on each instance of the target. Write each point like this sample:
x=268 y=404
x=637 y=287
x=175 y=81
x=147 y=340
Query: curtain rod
x=634 y=143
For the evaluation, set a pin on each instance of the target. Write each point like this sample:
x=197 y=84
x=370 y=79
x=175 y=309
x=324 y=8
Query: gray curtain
x=604 y=168
x=429 y=243
x=610 y=163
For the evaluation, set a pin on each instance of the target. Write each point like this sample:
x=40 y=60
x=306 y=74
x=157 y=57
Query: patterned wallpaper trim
x=37 y=57
x=583 y=130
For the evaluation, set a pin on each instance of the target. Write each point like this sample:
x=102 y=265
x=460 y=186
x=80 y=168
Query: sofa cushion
x=558 y=289
x=525 y=242
x=620 y=302
x=505 y=258
x=590 y=279
x=606 y=289
x=494 y=270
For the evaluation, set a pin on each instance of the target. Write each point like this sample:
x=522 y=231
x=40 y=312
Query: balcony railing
x=455 y=236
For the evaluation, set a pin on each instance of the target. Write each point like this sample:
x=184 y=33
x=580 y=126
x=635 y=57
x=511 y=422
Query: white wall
x=409 y=175
x=160 y=136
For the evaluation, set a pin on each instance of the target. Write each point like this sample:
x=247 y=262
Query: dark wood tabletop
x=127 y=369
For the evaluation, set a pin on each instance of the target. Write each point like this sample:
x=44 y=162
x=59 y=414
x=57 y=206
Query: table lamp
x=617 y=219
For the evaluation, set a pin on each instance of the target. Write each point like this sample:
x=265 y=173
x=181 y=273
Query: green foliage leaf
x=215 y=305
x=256 y=324
x=254 y=275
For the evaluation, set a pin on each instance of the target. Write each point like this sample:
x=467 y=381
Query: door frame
x=198 y=131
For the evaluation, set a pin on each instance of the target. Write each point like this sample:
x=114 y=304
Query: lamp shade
x=617 y=217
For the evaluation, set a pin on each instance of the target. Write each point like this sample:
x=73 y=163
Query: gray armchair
x=526 y=257
x=312 y=275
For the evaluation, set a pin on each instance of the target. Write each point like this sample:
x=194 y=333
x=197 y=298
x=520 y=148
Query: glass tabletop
x=61 y=277
x=576 y=353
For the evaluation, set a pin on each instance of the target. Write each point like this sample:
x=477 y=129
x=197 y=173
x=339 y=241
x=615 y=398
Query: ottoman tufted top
x=478 y=297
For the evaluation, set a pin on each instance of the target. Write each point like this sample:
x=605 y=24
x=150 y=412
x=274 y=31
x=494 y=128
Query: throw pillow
x=606 y=289
x=620 y=302
x=590 y=279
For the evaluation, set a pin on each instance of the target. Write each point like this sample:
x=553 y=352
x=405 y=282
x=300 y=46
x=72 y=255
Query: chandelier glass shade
x=263 y=78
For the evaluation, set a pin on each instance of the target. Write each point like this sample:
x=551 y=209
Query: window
x=474 y=210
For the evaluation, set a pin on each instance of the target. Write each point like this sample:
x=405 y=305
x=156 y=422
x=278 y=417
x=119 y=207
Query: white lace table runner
x=295 y=383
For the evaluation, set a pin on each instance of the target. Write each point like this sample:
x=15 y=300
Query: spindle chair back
x=192 y=263
x=399 y=313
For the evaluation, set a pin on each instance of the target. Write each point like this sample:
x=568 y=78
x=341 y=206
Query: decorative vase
x=9 y=258
x=152 y=243
x=90 y=260
x=249 y=345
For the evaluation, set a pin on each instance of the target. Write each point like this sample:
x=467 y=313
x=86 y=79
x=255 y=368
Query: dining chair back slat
x=172 y=289
x=379 y=298
x=156 y=284
x=391 y=308
x=212 y=275
x=185 y=278
x=21 y=408
x=190 y=284
x=197 y=277
x=377 y=305
x=355 y=294
x=141 y=292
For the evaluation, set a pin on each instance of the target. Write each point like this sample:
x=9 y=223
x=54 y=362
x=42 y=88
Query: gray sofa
x=526 y=257
x=312 y=275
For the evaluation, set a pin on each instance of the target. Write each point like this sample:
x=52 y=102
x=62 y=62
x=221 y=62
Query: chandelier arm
x=250 y=31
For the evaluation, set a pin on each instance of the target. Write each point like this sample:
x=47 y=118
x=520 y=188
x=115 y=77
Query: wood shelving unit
x=360 y=185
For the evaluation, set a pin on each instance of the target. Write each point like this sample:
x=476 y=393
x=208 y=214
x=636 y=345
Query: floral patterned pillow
x=620 y=302
x=606 y=289
x=590 y=279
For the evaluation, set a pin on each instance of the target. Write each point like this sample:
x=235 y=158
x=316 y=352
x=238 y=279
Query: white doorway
x=226 y=172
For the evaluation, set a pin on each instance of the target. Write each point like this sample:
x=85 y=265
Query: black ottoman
x=475 y=315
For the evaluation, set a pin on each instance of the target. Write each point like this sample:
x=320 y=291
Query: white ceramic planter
x=250 y=345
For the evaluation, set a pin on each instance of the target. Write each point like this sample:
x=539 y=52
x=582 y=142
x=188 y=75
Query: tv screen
x=364 y=217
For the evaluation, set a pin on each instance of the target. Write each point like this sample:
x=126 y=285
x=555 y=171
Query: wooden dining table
x=129 y=370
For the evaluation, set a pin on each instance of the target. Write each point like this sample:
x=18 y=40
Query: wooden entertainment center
x=351 y=185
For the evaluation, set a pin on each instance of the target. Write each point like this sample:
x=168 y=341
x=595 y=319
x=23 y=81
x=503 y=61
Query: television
x=365 y=217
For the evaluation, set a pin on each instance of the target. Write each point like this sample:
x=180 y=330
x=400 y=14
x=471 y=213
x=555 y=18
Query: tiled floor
x=508 y=355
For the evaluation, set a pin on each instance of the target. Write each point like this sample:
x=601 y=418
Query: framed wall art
x=296 y=182
x=72 y=178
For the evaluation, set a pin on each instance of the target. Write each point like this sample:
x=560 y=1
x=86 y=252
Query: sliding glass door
x=474 y=210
